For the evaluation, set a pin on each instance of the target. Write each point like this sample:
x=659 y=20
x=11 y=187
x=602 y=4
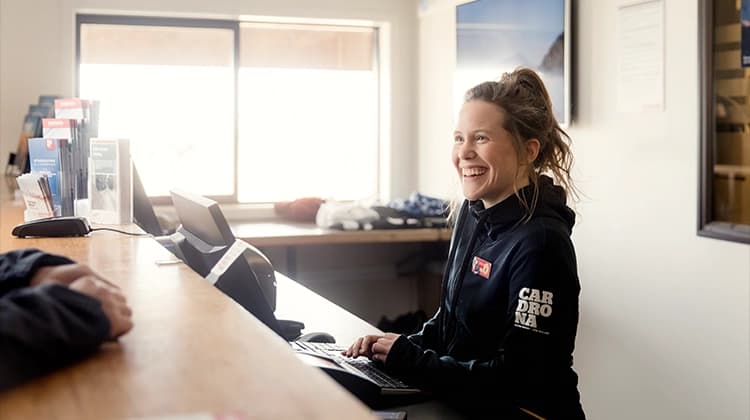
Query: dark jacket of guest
x=45 y=327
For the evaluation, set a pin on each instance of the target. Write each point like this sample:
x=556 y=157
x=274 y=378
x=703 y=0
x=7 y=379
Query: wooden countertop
x=192 y=349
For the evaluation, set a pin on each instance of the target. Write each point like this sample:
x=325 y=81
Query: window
x=724 y=189
x=247 y=112
x=308 y=112
x=170 y=90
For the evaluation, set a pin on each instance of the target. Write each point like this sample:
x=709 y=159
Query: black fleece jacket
x=44 y=327
x=501 y=344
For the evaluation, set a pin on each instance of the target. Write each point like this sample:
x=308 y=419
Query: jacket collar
x=510 y=212
x=502 y=216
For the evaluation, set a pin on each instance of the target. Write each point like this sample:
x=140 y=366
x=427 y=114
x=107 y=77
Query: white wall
x=664 y=324
x=664 y=314
x=37 y=56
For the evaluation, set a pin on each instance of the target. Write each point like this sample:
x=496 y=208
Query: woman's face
x=483 y=154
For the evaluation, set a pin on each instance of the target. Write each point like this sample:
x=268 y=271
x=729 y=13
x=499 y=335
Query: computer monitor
x=143 y=210
x=235 y=267
x=204 y=234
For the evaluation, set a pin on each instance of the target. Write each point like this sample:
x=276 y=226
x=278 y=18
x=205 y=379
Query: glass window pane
x=308 y=113
x=170 y=90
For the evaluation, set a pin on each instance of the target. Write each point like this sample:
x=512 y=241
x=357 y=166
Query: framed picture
x=496 y=36
x=724 y=159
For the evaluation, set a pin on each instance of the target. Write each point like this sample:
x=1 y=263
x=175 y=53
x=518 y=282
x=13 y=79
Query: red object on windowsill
x=299 y=210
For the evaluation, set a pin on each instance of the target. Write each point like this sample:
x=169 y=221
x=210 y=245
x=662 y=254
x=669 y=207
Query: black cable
x=122 y=231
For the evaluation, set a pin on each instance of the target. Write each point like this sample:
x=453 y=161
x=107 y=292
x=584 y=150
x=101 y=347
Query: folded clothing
x=420 y=205
x=346 y=216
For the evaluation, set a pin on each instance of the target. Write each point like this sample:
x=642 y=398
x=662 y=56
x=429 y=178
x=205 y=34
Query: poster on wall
x=497 y=36
x=745 y=24
x=640 y=57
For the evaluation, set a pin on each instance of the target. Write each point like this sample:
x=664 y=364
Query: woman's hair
x=527 y=110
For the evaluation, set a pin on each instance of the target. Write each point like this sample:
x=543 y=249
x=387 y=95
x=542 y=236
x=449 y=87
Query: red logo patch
x=481 y=267
x=50 y=144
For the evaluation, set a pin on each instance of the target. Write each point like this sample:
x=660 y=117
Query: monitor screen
x=204 y=234
x=235 y=267
x=143 y=210
x=203 y=218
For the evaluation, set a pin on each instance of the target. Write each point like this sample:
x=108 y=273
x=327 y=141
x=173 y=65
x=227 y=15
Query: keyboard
x=362 y=365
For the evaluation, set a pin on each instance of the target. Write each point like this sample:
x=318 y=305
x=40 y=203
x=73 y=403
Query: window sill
x=233 y=212
x=236 y=212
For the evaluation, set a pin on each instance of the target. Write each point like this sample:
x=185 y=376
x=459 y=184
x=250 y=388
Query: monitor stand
x=291 y=330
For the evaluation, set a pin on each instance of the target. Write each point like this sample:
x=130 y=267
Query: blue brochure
x=52 y=157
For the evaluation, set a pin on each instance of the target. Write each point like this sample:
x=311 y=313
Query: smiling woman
x=502 y=340
x=485 y=157
x=507 y=137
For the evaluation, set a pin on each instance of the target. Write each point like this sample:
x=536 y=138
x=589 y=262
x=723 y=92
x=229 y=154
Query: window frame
x=82 y=19
x=235 y=26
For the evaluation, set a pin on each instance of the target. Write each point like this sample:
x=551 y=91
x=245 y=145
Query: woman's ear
x=532 y=150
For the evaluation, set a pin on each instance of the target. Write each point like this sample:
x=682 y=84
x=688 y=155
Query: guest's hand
x=63 y=274
x=112 y=300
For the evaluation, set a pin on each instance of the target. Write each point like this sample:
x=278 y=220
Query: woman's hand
x=375 y=347
x=112 y=300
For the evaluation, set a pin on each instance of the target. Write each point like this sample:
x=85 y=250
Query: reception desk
x=192 y=349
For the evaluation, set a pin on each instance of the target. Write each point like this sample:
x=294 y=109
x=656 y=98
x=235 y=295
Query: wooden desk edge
x=301 y=234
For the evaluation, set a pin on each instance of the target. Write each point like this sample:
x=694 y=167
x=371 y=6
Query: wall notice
x=640 y=56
